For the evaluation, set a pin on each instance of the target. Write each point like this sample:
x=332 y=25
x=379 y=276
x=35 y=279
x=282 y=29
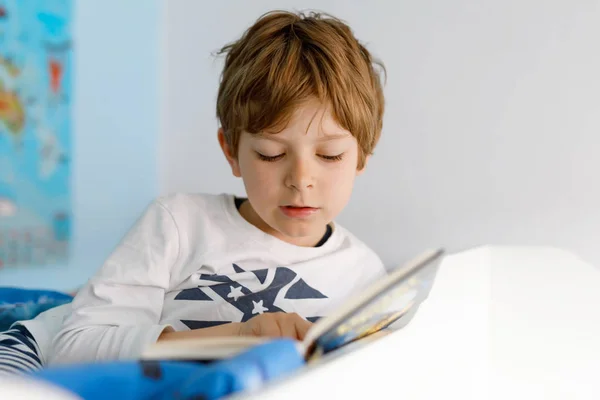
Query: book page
x=385 y=302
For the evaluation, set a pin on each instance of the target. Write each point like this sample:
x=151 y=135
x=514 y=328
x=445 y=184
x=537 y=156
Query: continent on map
x=8 y=66
x=12 y=113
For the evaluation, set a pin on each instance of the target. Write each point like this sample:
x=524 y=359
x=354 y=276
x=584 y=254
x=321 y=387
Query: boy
x=300 y=106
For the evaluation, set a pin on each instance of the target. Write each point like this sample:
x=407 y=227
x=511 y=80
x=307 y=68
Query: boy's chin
x=303 y=233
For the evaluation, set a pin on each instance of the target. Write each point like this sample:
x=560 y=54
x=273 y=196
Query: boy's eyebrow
x=333 y=137
x=323 y=138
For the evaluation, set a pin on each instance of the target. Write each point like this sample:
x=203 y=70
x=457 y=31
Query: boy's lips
x=294 y=211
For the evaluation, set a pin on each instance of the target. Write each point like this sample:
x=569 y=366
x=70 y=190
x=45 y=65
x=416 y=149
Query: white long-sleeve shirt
x=192 y=261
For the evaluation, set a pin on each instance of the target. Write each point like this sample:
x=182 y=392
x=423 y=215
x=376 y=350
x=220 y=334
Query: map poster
x=35 y=131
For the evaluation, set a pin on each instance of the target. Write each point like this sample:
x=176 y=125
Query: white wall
x=115 y=131
x=492 y=127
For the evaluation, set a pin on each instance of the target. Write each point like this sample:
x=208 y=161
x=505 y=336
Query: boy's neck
x=249 y=214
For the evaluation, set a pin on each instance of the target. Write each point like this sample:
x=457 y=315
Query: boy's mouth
x=294 y=211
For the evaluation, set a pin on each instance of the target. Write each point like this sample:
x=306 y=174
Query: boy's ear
x=233 y=161
x=360 y=171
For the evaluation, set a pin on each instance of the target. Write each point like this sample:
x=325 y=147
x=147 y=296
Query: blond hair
x=286 y=58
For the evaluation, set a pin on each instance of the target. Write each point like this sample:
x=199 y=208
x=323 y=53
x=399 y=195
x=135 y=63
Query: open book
x=376 y=308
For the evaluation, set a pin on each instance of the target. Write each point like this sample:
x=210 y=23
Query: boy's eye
x=269 y=158
x=277 y=157
x=332 y=158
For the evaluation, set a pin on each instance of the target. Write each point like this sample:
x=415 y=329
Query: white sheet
x=501 y=322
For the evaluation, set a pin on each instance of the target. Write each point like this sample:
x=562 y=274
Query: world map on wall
x=35 y=131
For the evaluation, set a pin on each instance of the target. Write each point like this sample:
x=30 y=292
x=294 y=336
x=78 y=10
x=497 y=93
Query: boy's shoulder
x=186 y=204
x=196 y=212
x=367 y=255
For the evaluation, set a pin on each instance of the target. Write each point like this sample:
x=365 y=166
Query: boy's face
x=299 y=179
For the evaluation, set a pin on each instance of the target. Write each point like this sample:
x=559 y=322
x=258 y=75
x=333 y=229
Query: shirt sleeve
x=116 y=315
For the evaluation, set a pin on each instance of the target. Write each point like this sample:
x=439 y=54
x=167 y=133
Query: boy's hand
x=270 y=325
x=276 y=325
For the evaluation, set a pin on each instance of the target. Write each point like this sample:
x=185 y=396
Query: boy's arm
x=116 y=314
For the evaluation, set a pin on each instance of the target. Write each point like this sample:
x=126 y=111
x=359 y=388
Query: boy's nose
x=300 y=176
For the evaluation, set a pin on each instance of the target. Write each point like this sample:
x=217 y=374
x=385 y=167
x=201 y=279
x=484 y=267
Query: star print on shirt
x=235 y=293
x=258 y=307
x=245 y=300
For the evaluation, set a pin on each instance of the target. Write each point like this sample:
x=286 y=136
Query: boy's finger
x=288 y=327
x=269 y=327
x=302 y=326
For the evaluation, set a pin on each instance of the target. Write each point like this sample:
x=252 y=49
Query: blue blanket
x=178 y=380
x=18 y=304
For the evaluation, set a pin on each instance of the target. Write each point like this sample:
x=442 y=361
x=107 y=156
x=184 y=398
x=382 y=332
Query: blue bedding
x=178 y=380
x=17 y=304
x=142 y=379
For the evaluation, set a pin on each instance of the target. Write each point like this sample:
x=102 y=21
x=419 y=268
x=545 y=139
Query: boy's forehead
x=312 y=119
x=282 y=136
